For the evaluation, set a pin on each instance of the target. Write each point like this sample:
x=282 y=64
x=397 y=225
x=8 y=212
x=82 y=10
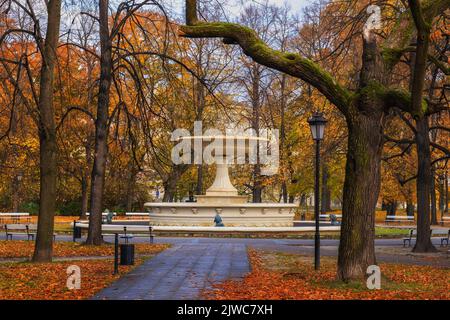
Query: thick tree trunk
x=419 y=61
x=131 y=183
x=256 y=105
x=423 y=242
x=101 y=130
x=446 y=192
x=170 y=187
x=325 y=205
x=15 y=194
x=361 y=189
x=85 y=180
x=257 y=184
x=433 y=198
x=410 y=209
x=441 y=196
x=170 y=184
x=199 y=187
x=391 y=208
x=201 y=105
x=47 y=138
x=84 y=197
x=284 y=191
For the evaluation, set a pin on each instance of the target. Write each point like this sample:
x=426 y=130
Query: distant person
x=109 y=216
x=334 y=220
x=218 y=221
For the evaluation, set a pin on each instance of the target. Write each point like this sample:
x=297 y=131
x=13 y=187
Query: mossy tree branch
x=422 y=24
x=423 y=15
x=439 y=64
x=289 y=63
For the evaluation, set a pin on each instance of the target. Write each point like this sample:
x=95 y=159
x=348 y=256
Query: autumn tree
x=106 y=34
x=47 y=47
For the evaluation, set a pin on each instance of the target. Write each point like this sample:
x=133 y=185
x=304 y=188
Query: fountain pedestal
x=222 y=190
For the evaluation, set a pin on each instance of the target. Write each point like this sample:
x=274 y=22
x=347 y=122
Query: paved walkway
x=181 y=272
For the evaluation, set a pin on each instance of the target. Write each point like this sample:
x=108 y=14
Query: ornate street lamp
x=317 y=124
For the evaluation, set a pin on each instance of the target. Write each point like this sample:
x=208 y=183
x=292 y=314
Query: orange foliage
x=47 y=281
x=404 y=282
x=19 y=249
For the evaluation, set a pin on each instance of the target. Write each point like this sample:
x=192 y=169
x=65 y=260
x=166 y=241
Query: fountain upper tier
x=222 y=190
x=222 y=197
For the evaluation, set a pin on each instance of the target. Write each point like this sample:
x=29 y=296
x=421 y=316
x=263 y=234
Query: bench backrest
x=13 y=214
x=400 y=217
x=104 y=214
x=15 y=226
x=32 y=227
x=441 y=232
x=126 y=229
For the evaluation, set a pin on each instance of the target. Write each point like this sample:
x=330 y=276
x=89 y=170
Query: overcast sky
x=175 y=9
x=296 y=5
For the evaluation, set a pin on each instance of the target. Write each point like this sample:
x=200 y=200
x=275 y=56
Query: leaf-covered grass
x=48 y=281
x=24 y=249
x=24 y=280
x=289 y=276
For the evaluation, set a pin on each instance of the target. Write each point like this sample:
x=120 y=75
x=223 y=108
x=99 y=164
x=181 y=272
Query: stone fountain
x=222 y=198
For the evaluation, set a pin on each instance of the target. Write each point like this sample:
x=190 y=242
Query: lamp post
x=317 y=124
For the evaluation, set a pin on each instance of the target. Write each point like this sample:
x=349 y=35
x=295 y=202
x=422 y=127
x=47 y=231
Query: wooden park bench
x=399 y=218
x=32 y=230
x=125 y=232
x=107 y=217
x=14 y=217
x=129 y=232
x=104 y=214
x=328 y=217
x=442 y=235
x=140 y=215
x=22 y=229
x=411 y=235
x=15 y=229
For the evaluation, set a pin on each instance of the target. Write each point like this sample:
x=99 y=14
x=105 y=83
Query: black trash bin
x=77 y=233
x=126 y=254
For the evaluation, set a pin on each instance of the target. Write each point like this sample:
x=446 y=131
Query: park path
x=181 y=272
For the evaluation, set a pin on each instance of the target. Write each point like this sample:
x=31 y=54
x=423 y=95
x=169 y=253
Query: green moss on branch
x=289 y=63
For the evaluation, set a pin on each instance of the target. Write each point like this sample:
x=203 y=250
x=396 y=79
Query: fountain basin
x=232 y=214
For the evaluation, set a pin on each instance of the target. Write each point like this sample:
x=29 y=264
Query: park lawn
x=382 y=232
x=277 y=276
x=24 y=249
x=48 y=281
